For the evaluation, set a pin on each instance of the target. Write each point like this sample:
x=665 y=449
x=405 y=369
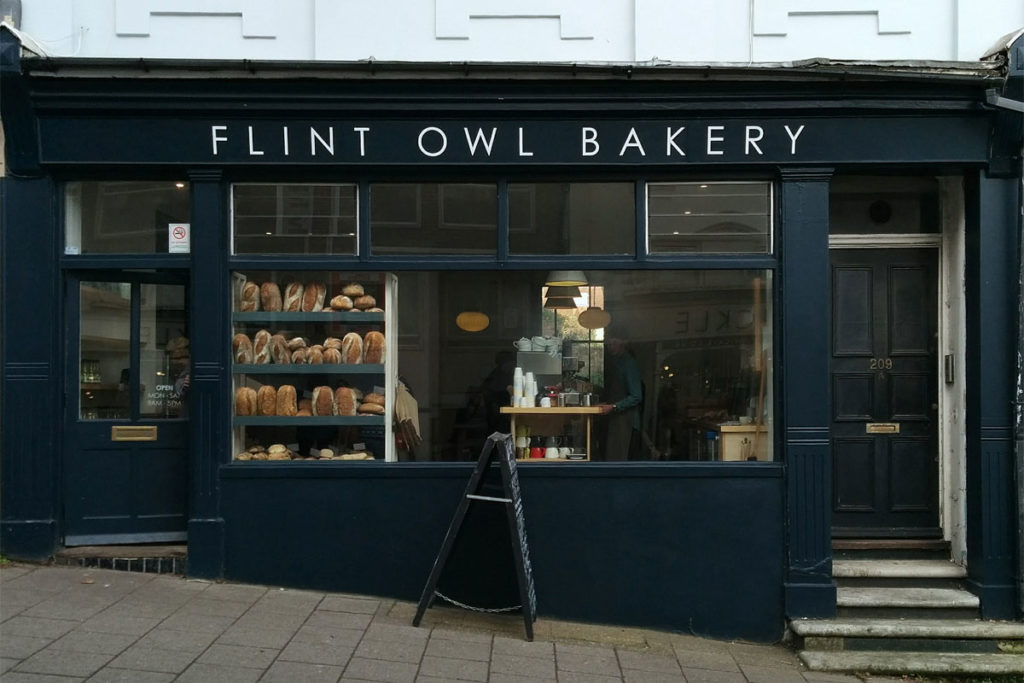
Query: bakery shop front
x=279 y=314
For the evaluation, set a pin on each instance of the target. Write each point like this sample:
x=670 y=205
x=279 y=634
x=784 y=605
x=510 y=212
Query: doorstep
x=147 y=559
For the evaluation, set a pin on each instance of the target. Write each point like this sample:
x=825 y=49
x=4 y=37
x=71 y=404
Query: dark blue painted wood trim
x=502 y=246
x=804 y=365
x=209 y=402
x=112 y=261
x=707 y=262
x=991 y=274
x=31 y=379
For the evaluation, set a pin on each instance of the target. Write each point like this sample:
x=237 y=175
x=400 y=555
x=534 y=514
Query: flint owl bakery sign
x=650 y=140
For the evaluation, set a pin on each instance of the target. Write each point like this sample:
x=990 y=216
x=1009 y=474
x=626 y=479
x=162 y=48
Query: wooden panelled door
x=884 y=427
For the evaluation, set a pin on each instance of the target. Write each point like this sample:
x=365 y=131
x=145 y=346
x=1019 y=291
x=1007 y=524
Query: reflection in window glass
x=164 y=369
x=709 y=217
x=686 y=360
x=122 y=217
x=294 y=219
x=432 y=218
x=572 y=218
x=104 y=346
x=859 y=205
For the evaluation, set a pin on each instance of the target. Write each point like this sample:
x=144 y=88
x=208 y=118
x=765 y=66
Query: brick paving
x=65 y=624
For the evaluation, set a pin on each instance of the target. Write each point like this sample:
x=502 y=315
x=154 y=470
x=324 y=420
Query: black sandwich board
x=502 y=446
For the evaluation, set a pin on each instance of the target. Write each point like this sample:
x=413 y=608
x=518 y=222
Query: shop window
x=572 y=218
x=685 y=356
x=103 y=217
x=294 y=219
x=883 y=205
x=724 y=218
x=434 y=218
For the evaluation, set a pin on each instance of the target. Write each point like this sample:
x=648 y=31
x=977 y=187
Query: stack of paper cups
x=517 y=384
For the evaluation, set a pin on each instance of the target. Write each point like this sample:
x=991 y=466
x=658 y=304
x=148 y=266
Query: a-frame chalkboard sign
x=500 y=445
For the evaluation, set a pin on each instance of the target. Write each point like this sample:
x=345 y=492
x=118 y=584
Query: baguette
x=266 y=400
x=270 y=297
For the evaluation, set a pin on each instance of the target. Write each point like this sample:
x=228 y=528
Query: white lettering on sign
x=632 y=141
x=752 y=141
x=253 y=152
x=217 y=138
x=670 y=141
x=361 y=131
x=793 y=136
x=590 y=144
x=478 y=139
x=714 y=138
x=443 y=137
x=284 y=138
x=327 y=144
x=522 y=152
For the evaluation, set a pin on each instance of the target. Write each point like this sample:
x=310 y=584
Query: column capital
x=806 y=173
x=205 y=175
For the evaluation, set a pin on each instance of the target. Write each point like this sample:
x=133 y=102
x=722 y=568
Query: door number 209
x=881 y=363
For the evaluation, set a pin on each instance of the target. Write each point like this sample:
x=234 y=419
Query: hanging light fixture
x=566 y=278
x=595 y=317
x=558 y=302
x=472 y=321
x=571 y=291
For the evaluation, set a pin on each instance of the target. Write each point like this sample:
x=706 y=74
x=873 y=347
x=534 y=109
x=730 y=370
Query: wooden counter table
x=551 y=422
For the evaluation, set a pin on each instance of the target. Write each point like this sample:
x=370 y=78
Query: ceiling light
x=472 y=321
x=559 y=302
x=595 y=318
x=566 y=278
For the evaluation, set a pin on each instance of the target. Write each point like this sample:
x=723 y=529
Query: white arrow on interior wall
x=131 y=17
x=452 y=17
x=771 y=17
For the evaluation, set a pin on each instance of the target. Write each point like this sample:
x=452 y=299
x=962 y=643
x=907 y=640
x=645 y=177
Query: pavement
x=75 y=624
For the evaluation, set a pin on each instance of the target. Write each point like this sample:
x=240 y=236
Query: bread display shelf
x=305 y=369
x=325 y=421
x=333 y=316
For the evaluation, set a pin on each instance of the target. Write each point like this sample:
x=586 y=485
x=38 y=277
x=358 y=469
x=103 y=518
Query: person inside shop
x=497 y=389
x=624 y=395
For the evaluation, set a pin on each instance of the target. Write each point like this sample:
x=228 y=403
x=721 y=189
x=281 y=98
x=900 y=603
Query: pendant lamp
x=557 y=302
x=565 y=278
x=595 y=318
x=571 y=291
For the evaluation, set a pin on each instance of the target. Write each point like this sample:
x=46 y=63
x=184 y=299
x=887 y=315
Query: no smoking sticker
x=178 y=238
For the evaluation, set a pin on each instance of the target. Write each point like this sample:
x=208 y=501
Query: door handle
x=882 y=428
x=133 y=433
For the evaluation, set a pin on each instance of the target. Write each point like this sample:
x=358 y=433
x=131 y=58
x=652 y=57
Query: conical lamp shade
x=564 y=290
x=566 y=278
x=559 y=302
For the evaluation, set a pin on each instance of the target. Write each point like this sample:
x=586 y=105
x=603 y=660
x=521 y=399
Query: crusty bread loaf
x=293 y=293
x=242 y=346
x=261 y=347
x=341 y=303
x=370 y=409
x=245 y=401
x=314 y=356
x=313 y=297
x=323 y=401
x=332 y=343
x=353 y=289
x=279 y=350
x=270 y=297
x=300 y=356
x=332 y=356
x=352 y=348
x=266 y=400
x=250 y=297
x=296 y=343
x=286 y=404
x=345 y=401
x=306 y=404
x=364 y=302
x=374 y=398
x=373 y=347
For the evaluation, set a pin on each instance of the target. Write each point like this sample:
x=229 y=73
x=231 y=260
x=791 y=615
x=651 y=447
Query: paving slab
x=60 y=663
x=206 y=673
x=295 y=672
x=108 y=675
x=454 y=669
x=379 y=670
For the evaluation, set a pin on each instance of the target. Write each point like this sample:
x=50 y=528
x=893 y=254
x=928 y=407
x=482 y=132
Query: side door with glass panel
x=126 y=402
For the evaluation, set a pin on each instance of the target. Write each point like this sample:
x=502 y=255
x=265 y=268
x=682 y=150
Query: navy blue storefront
x=696 y=544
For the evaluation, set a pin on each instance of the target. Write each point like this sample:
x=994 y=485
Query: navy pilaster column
x=32 y=381
x=809 y=589
x=991 y=369
x=209 y=400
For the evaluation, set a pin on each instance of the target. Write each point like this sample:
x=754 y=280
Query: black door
x=884 y=429
x=126 y=408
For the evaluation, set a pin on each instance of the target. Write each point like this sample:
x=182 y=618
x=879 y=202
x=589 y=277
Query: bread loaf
x=314 y=356
x=279 y=350
x=261 y=347
x=341 y=303
x=353 y=289
x=299 y=357
x=286 y=405
x=296 y=343
x=266 y=400
x=352 y=348
x=293 y=293
x=345 y=401
x=245 y=401
x=313 y=297
x=374 y=398
x=364 y=302
x=242 y=346
x=323 y=401
x=332 y=343
x=306 y=404
x=250 y=297
x=370 y=409
x=332 y=356
x=373 y=310
x=270 y=297
x=373 y=347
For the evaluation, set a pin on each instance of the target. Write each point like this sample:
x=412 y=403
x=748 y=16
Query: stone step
x=902 y=663
x=890 y=548
x=897 y=569
x=873 y=601
x=909 y=628
x=147 y=558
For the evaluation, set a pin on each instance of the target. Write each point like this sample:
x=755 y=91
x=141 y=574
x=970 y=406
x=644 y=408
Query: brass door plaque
x=133 y=433
x=882 y=428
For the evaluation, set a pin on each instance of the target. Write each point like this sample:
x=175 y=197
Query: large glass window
x=434 y=218
x=571 y=218
x=709 y=217
x=103 y=217
x=294 y=219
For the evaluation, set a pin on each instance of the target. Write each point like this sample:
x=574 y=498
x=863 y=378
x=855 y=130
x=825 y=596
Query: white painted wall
x=704 y=31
